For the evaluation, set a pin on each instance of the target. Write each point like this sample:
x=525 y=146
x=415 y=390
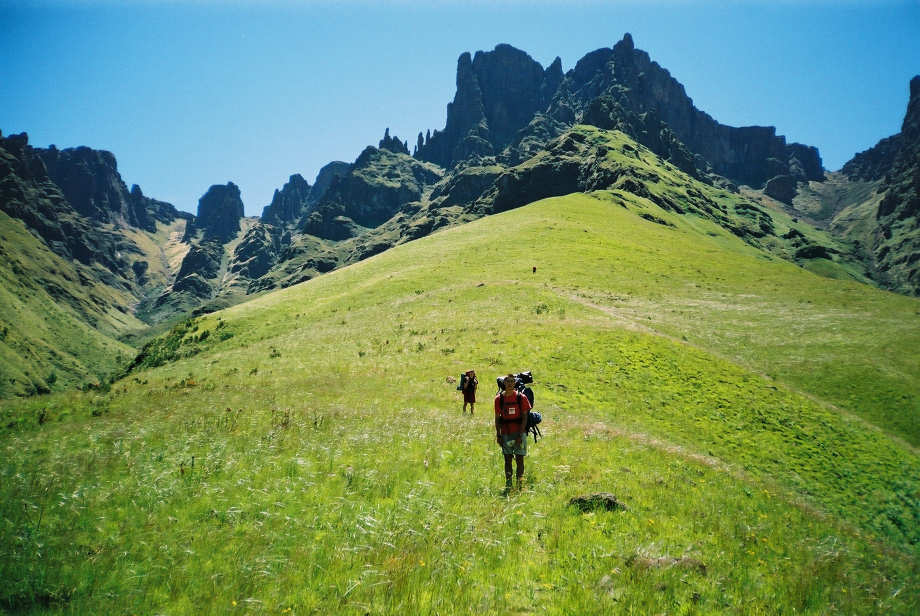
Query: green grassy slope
x=57 y=325
x=304 y=452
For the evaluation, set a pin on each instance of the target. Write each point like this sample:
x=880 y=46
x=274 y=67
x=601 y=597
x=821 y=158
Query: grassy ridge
x=307 y=454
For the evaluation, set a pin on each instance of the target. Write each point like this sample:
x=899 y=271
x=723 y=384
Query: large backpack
x=533 y=417
x=462 y=384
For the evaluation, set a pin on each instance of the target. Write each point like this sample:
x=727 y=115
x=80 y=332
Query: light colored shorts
x=509 y=446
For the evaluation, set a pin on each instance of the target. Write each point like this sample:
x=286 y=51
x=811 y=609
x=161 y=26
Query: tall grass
x=309 y=456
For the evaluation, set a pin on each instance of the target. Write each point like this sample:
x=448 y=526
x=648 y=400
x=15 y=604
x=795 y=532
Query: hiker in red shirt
x=511 y=408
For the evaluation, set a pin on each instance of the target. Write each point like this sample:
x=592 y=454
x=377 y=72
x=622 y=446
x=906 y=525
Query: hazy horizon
x=186 y=95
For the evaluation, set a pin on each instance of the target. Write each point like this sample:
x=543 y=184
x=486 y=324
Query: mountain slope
x=58 y=326
x=303 y=450
x=71 y=275
x=873 y=204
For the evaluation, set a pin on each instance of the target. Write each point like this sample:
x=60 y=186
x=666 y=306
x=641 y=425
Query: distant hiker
x=534 y=269
x=511 y=408
x=469 y=390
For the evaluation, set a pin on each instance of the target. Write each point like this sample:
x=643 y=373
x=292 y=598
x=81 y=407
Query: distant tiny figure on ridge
x=468 y=387
x=511 y=408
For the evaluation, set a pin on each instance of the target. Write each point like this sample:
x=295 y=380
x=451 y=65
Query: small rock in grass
x=600 y=500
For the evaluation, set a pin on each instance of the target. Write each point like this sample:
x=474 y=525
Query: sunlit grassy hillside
x=305 y=453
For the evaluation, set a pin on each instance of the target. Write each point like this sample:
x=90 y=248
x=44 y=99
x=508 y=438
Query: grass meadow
x=305 y=453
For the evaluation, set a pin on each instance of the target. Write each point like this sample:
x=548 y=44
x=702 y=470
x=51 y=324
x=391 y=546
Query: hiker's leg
x=472 y=404
x=508 y=469
x=520 y=468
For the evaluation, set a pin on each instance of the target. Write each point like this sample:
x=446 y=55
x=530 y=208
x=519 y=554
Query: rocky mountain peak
x=326 y=177
x=505 y=98
x=498 y=93
x=90 y=181
x=220 y=211
x=393 y=144
x=910 y=128
x=288 y=203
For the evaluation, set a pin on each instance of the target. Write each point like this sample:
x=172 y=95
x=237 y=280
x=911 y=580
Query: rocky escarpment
x=393 y=143
x=296 y=198
x=504 y=98
x=379 y=183
x=649 y=130
x=91 y=183
x=326 y=176
x=749 y=155
x=894 y=163
x=258 y=251
x=31 y=193
x=498 y=93
x=289 y=203
x=219 y=213
x=585 y=159
x=71 y=278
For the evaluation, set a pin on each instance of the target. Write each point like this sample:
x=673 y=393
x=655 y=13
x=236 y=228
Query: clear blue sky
x=189 y=94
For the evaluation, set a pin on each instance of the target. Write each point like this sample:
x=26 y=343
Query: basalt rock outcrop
x=649 y=130
x=91 y=183
x=782 y=188
x=325 y=178
x=894 y=164
x=504 y=98
x=63 y=195
x=393 y=144
x=295 y=200
x=377 y=185
x=288 y=203
x=72 y=276
x=498 y=93
x=219 y=213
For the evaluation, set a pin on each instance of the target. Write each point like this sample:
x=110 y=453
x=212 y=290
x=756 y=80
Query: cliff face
x=296 y=199
x=219 y=213
x=91 y=183
x=288 y=203
x=498 y=93
x=377 y=185
x=895 y=164
x=503 y=93
x=62 y=195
